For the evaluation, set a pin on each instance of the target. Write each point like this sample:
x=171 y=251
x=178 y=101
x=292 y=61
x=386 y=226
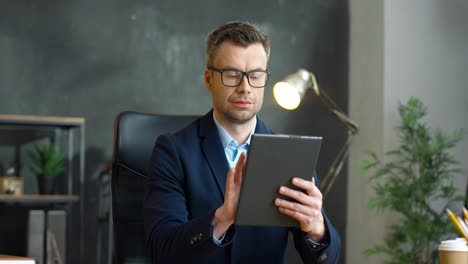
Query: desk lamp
x=288 y=94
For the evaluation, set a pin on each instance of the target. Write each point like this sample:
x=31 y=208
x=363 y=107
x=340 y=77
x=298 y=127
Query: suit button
x=323 y=257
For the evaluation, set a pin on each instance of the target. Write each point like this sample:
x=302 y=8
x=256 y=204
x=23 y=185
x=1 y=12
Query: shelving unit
x=17 y=130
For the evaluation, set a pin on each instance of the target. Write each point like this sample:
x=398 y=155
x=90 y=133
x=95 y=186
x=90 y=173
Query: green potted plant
x=47 y=163
x=413 y=178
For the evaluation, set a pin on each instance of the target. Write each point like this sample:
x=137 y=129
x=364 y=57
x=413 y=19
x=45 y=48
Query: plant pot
x=46 y=184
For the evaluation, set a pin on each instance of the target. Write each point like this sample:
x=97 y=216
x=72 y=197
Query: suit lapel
x=261 y=128
x=213 y=151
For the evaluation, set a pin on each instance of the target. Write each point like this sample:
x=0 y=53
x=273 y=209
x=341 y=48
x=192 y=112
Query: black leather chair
x=134 y=137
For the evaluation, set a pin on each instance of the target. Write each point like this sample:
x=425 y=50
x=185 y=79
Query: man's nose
x=244 y=86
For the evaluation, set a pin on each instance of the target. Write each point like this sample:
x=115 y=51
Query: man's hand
x=225 y=215
x=307 y=209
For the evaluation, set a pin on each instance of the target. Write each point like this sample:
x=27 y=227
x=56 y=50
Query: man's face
x=241 y=103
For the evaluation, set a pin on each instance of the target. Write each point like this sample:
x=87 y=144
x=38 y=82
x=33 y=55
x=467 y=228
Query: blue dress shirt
x=232 y=151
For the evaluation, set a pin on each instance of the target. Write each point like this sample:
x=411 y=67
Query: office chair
x=134 y=137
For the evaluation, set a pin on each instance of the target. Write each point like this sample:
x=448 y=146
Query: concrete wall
x=400 y=49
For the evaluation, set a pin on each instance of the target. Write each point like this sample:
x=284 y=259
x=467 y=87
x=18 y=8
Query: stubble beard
x=235 y=120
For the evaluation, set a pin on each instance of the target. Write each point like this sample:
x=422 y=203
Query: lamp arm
x=327 y=182
x=332 y=106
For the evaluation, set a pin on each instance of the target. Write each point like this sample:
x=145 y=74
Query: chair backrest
x=134 y=137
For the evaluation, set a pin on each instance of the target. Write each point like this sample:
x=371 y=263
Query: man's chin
x=242 y=119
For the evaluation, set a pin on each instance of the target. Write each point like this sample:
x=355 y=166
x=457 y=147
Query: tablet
x=272 y=161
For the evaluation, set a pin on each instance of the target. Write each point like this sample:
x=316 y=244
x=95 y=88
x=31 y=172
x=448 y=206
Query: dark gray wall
x=97 y=58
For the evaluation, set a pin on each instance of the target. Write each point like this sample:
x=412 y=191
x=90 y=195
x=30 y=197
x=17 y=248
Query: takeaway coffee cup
x=453 y=251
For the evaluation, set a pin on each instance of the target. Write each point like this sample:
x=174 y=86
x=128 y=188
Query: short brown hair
x=240 y=33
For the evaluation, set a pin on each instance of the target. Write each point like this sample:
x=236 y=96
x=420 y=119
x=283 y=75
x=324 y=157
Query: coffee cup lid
x=459 y=244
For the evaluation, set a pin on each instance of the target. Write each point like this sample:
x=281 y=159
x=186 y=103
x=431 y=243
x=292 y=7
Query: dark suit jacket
x=187 y=182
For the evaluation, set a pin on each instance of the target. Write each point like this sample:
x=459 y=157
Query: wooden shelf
x=15 y=259
x=52 y=121
x=37 y=199
x=18 y=130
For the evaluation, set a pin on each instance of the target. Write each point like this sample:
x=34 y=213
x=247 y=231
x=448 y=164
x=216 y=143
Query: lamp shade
x=289 y=92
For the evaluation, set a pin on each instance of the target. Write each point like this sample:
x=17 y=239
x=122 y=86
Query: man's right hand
x=225 y=215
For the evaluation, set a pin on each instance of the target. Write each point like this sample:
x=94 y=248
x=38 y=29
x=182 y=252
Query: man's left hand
x=306 y=209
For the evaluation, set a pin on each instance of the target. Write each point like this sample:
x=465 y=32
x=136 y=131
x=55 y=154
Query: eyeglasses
x=233 y=78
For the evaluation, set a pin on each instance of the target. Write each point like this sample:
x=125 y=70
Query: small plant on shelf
x=47 y=163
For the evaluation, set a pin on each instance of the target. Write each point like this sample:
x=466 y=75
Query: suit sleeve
x=329 y=255
x=171 y=237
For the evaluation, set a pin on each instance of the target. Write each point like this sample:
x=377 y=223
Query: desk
x=16 y=260
x=46 y=203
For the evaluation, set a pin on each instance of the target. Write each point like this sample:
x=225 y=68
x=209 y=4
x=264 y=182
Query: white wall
x=366 y=101
x=400 y=49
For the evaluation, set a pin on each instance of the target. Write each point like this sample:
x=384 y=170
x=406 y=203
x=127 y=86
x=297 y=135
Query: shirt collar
x=226 y=138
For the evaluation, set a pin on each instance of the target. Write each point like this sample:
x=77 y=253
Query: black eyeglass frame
x=246 y=74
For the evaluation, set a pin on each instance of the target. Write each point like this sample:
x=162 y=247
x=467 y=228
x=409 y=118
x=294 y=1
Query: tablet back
x=272 y=161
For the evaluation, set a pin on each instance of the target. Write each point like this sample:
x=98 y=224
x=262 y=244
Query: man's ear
x=207 y=77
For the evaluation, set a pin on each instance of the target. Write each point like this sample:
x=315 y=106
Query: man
x=195 y=174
